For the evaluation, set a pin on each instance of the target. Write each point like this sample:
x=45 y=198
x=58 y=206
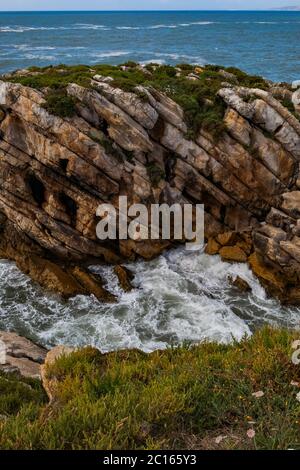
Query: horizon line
x=159 y=10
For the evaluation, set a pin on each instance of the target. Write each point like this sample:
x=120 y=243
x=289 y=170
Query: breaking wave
x=178 y=297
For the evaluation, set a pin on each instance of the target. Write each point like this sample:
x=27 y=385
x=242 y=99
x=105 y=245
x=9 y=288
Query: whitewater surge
x=181 y=296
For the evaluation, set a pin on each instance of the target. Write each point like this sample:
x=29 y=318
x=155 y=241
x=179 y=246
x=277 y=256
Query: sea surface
x=180 y=296
x=264 y=43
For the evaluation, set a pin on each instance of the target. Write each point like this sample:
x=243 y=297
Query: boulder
x=125 y=277
x=212 y=247
x=240 y=283
x=233 y=254
x=227 y=238
x=50 y=382
x=21 y=356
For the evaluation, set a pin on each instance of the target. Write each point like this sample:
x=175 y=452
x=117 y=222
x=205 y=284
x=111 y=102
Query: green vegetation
x=180 y=398
x=196 y=93
x=60 y=104
x=155 y=173
x=15 y=394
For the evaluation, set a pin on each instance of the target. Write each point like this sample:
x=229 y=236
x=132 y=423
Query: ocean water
x=264 y=43
x=180 y=296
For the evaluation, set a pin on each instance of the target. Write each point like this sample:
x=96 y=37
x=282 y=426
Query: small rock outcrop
x=55 y=171
x=239 y=283
x=21 y=356
x=50 y=383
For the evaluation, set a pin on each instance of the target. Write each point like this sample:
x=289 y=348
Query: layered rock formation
x=56 y=171
x=20 y=356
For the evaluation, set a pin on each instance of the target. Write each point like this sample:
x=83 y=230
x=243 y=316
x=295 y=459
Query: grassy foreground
x=198 y=397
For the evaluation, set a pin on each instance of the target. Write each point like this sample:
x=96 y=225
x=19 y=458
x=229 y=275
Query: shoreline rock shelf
x=98 y=139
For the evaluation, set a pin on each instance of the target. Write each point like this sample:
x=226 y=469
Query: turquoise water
x=266 y=43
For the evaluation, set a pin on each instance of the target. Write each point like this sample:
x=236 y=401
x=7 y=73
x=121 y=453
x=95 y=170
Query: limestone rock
x=55 y=172
x=141 y=111
x=20 y=355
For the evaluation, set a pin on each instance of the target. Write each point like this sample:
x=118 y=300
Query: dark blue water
x=266 y=43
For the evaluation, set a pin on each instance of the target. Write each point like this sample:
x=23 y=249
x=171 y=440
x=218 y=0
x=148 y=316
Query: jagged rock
x=238 y=127
x=240 y=283
x=212 y=247
x=291 y=204
x=227 y=238
x=125 y=277
x=139 y=110
x=122 y=128
x=268 y=276
x=54 y=172
x=19 y=355
x=233 y=254
x=166 y=108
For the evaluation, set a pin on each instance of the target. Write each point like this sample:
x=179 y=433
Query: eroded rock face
x=54 y=173
x=21 y=356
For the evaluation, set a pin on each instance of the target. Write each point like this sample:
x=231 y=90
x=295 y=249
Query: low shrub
x=60 y=104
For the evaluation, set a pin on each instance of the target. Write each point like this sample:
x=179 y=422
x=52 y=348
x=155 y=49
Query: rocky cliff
x=71 y=139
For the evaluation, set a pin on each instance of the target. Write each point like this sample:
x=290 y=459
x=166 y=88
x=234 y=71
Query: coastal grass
x=184 y=397
x=193 y=88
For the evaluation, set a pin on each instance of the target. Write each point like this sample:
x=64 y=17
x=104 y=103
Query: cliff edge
x=72 y=138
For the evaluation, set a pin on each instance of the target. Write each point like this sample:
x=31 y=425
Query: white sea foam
x=128 y=27
x=180 y=296
x=183 y=57
x=159 y=26
x=23 y=29
x=103 y=55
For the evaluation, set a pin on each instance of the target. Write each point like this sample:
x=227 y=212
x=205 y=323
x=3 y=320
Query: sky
x=11 y=5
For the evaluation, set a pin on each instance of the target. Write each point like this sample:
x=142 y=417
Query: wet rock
x=269 y=277
x=212 y=247
x=125 y=277
x=233 y=254
x=240 y=283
